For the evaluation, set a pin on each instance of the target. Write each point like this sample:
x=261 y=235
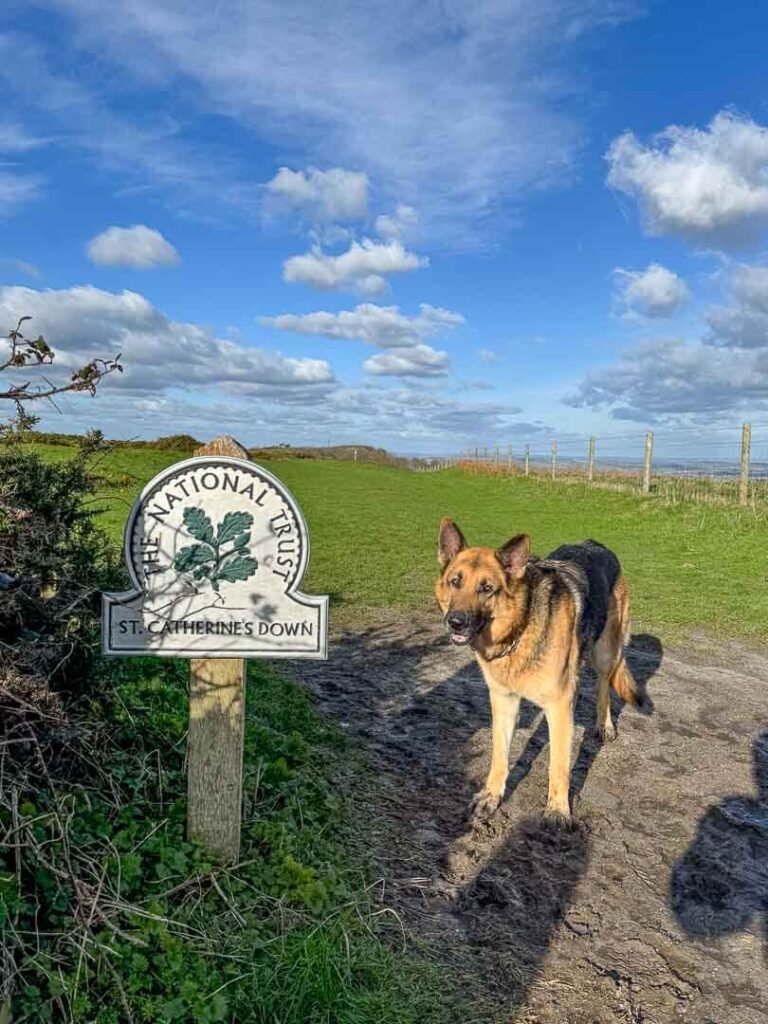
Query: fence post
x=647 y=464
x=746 y=447
x=497 y=456
x=591 y=461
x=509 y=458
x=554 y=459
x=527 y=460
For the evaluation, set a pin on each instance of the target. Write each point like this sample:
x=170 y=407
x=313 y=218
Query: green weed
x=114 y=917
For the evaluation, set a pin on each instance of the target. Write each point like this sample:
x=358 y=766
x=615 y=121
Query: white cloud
x=707 y=185
x=16 y=186
x=149 y=154
x=749 y=285
x=138 y=247
x=160 y=355
x=179 y=377
x=665 y=379
x=673 y=379
x=15 y=139
x=363 y=267
x=326 y=196
x=653 y=292
x=403 y=419
x=419 y=415
x=450 y=107
x=487 y=355
x=414 y=361
x=16 y=189
x=383 y=326
x=743 y=323
x=398 y=225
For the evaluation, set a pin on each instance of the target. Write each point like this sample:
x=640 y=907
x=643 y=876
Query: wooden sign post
x=216 y=734
x=216 y=547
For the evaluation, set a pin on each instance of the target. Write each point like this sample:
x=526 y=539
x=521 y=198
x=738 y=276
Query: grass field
x=373 y=531
x=296 y=934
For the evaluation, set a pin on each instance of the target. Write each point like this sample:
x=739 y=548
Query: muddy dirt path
x=653 y=910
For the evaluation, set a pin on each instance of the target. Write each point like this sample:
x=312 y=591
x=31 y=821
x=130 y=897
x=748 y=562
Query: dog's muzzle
x=463 y=627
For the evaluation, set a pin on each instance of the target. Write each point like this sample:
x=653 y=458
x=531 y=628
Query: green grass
x=374 y=530
x=290 y=936
x=123 y=473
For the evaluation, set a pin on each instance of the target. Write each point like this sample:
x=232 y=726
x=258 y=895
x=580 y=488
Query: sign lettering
x=216 y=548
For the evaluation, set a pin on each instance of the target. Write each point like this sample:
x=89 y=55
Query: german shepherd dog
x=530 y=622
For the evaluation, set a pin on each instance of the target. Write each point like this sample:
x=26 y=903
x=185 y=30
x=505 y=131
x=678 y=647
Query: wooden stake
x=647 y=462
x=215 y=755
x=591 y=460
x=215 y=738
x=527 y=460
x=554 y=459
x=746 y=447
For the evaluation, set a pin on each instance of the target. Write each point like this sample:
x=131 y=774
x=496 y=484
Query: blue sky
x=424 y=226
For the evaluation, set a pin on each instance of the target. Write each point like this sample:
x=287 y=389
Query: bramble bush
x=54 y=561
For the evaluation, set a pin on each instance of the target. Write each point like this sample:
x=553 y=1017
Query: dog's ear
x=450 y=542
x=514 y=555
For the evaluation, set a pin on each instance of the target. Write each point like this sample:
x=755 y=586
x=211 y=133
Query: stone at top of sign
x=216 y=547
x=224 y=445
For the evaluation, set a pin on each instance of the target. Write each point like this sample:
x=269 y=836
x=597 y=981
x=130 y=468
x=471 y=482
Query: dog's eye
x=486 y=588
x=455 y=581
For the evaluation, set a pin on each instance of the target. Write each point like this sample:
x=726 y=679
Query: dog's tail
x=621 y=679
x=624 y=684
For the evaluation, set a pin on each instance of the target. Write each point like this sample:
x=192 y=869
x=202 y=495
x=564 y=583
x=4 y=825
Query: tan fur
x=609 y=662
x=543 y=665
x=621 y=678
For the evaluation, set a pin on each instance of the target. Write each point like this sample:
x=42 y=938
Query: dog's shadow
x=525 y=889
x=504 y=886
x=644 y=655
x=720 y=885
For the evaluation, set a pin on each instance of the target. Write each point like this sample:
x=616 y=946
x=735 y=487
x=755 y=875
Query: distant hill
x=188 y=444
x=340 y=452
x=174 y=442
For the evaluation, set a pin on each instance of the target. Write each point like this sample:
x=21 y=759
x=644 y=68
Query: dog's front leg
x=560 y=722
x=504 y=709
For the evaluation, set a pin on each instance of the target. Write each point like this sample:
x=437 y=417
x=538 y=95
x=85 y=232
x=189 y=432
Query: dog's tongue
x=459 y=638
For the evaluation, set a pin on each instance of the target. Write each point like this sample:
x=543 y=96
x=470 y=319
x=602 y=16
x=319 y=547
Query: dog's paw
x=605 y=733
x=483 y=805
x=556 y=818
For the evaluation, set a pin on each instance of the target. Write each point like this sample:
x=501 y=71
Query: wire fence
x=733 y=471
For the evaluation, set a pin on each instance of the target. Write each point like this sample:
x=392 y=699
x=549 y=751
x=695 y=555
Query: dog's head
x=474 y=581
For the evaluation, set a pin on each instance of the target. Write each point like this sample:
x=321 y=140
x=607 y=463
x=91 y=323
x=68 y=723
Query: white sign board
x=216 y=548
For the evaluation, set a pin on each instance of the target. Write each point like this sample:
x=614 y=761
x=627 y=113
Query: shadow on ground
x=720 y=886
x=490 y=898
